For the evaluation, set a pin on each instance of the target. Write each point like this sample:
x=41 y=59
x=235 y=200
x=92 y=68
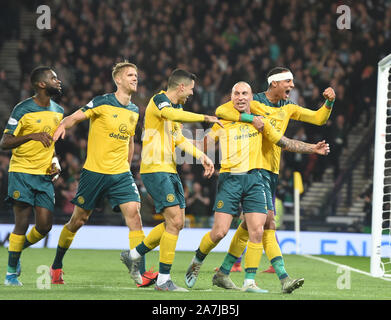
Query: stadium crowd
x=222 y=42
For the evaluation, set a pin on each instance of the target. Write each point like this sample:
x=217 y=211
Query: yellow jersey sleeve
x=215 y=131
x=227 y=112
x=270 y=133
x=178 y=115
x=184 y=144
x=318 y=117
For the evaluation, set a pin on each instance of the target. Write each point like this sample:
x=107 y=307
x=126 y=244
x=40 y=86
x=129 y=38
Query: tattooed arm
x=291 y=145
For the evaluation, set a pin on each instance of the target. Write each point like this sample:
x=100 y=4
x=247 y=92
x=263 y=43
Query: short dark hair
x=179 y=75
x=38 y=74
x=277 y=70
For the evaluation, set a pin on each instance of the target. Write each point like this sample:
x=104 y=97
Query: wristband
x=56 y=162
x=329 y=104
x=245 y=117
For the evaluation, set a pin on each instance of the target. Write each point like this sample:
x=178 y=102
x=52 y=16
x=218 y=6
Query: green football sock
x=279 y=267
x=228 y=262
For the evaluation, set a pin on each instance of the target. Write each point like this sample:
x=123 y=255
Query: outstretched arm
x=179 y=115
x=321 y=148
x=68 y=122
x=320 y=116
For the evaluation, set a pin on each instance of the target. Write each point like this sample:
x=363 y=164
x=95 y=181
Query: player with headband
x=275 y=105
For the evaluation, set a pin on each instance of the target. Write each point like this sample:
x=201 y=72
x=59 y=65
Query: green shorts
x=165 y=189
x=118 y=188
x=270 y=180
x=245 y=189
x=35 y=189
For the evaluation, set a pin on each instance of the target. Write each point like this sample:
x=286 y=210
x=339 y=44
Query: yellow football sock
x=253 y=255
x=135 y=238
x=154 y=237
x=34 y=236
x=167 y=248
x=16 y=242
x=272 y=248
x=238 y=242
x=66 y=238
x=207 y=244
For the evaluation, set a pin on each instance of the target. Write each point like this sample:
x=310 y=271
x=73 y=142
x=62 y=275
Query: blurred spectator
x=338 y=141
x=197 y=204
x=3 y=186
x=367 y=197
x=298 y=161
x=68 y=195
x=285 y=190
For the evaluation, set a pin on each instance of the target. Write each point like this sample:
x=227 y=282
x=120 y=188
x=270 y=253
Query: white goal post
x=380 y=264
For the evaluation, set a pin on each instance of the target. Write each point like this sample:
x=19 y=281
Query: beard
x=53 y=92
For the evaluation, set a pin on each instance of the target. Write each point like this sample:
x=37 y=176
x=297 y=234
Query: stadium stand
x=222 y=42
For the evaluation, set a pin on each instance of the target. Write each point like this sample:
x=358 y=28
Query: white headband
x=280 y=76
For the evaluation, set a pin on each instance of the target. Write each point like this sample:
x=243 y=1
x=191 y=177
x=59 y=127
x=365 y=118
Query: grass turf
x=99 y=275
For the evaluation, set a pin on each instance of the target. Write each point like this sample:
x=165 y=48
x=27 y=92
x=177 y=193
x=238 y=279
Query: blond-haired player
x=106 y=172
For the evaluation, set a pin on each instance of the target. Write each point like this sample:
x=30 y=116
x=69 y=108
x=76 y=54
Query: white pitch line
x=126 y=288
x=344 y=266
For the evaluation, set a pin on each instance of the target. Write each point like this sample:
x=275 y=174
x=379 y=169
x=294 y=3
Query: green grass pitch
x=100 y=275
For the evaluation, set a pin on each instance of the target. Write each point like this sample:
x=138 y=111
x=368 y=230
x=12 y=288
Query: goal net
x=381 y=199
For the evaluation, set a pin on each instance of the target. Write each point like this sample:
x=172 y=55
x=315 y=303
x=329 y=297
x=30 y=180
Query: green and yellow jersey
x=241 y=145
x=162 y=132
x=27 y=117
x=278 y=115
x=111 y=126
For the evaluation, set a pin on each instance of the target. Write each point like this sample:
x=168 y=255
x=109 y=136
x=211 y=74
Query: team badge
x=220 y=204
x=16 y=194
x=170 y=197
x=80 y=199
x=244 y=128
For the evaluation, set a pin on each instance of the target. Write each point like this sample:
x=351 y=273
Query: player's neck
x=41 y=99
x=273 y=98
x=172 y=96
x=123 y=97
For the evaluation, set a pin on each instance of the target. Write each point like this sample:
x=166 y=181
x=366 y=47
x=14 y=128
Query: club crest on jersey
x=16 y=194
x=80 y=199
x=220 y=204
x=244 y=128
x=170 y=197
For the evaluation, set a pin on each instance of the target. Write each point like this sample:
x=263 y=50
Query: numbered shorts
x=165 y=189
x=93 y=186
x=35 y=189
x=270 y=180
x=245 y=189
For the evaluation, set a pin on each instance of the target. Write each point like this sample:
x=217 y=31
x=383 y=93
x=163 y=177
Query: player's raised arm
x=320 y=116
x=68 y=122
